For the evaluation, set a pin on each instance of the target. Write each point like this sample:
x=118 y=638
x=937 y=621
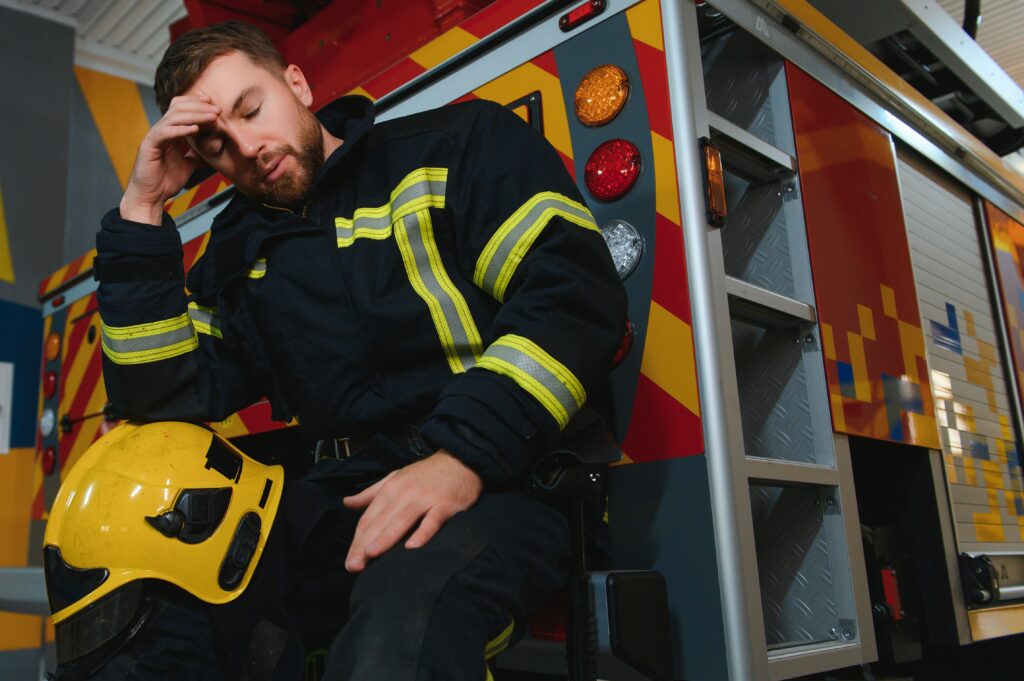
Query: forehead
x=227 y=76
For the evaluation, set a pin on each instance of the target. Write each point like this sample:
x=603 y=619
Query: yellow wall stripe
x=528 y=78
x=645 y=23
x=666 y=189
x=120 y=117
x=446 y=45
x=668 y=357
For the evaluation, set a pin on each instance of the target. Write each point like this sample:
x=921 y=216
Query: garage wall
x=35 y=79
x=109 y=118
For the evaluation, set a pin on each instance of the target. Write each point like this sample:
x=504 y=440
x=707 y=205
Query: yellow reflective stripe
x=149 y=342
x=538 y=373
x=259 y=269
x=407 y=198
x=206 y=320
x=500 y=642
x=421 y=189
x=145 y=330
x=512 y=240
x=449 y=311
x=365 y=223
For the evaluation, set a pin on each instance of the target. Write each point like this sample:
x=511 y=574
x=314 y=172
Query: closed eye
x=252 y=114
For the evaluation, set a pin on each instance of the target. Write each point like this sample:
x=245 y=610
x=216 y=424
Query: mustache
x=266 y=164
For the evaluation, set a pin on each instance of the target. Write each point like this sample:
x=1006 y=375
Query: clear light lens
x=625 y=244
x=601 y=95
x=612 y=169
x=47 y=422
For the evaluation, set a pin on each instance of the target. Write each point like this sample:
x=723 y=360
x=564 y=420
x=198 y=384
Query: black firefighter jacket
x=444 y=264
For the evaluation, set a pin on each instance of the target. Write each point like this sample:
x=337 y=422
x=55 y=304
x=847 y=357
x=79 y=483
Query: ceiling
x=123 y=37
x=999 y=34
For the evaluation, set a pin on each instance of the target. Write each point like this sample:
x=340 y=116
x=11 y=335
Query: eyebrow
x=241 y=97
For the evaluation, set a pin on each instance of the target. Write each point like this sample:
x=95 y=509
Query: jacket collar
x=349 y=118
x=244 y=224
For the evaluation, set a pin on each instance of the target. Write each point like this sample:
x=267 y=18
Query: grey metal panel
x=739 y=76
x=660 y=518
x=23 y=590
x=794 y=564
x=610 y=42
x=774 y=401
x=21 y=665
x=756 y=241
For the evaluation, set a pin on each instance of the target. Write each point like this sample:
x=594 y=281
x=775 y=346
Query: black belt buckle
x=336 y=448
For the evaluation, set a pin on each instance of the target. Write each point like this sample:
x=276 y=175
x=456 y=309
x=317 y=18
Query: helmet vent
x=223 y=460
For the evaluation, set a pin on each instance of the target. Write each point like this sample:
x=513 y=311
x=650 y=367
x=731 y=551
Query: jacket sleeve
x=164 y=355
x=525 y=237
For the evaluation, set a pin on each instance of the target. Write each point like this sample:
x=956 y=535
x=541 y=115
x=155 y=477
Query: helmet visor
x=99 y=624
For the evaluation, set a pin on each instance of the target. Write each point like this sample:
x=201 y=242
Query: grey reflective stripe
x=258 y=268
x=538 y=373
x=455 y=327
x=422 y=188
x=144 y=343
x=501 y=266
x=363 y=225
x=205 y=319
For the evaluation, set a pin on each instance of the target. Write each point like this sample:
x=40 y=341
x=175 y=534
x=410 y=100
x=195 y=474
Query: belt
x=402 y=432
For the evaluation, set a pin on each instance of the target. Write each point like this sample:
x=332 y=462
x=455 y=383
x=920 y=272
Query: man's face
x=266 y=140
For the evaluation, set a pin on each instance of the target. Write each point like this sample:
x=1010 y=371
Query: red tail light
x=49 y=460
x=49 y=384
x=625 y=346
x=612 y=169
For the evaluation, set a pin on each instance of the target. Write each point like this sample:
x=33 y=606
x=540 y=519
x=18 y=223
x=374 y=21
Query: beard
x=292 y=188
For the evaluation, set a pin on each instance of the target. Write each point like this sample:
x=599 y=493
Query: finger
x=160 y=137
x=387 y=535
x=191 y=106
x=364 y=498
x=433 y=521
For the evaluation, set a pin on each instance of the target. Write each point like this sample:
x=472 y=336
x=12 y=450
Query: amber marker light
x=52 y=346
x=612 y=169
x=714 y=181
x=601 y=95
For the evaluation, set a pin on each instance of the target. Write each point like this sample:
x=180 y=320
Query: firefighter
x=431 y=289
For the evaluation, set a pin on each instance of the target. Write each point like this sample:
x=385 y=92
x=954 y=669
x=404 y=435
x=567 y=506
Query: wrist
x=141 y=211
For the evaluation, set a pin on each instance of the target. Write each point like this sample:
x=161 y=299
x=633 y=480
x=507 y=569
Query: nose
x=248 y=143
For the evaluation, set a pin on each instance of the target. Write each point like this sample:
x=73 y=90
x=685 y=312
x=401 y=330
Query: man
x=435 y=280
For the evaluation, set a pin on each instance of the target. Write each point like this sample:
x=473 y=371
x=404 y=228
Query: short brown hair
x=190 y=54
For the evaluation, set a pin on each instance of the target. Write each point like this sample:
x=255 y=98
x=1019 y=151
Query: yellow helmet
x=165 y=501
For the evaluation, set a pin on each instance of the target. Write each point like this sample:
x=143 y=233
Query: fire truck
x=820 y=408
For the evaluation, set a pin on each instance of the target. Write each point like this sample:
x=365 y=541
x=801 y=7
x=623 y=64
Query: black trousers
x=425 y=614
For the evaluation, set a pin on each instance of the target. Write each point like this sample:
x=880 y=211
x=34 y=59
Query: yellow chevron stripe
x=527 y=78
x=89 y=428
x=446 y=45
x=76 y=360
x=182 y=203
x=666 y=189
x=645 y=23
x=668 y=357
x=6 y=264
x=119 y=115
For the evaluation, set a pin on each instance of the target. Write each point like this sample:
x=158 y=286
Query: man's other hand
x=165 y=161
x=428 y=492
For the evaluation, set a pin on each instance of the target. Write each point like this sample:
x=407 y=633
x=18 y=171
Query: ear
x=296 y=80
